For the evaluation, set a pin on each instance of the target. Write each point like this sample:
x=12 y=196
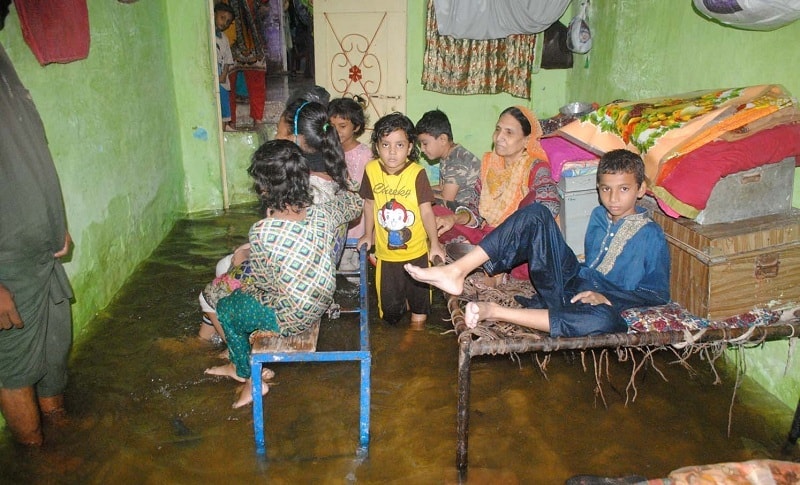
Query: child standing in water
x=292 y=277
x=347 y=117
x=399 y=219
x=223 y=17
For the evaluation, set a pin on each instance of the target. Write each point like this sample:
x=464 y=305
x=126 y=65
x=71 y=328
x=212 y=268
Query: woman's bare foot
x=227 y=370
x=475 y=312
x=447 y=278
x=246 y=393
x=267 y=374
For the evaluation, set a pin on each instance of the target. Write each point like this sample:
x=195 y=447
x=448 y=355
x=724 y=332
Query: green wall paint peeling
x=239 y=148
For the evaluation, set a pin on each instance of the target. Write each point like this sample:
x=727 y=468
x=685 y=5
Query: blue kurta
x=626 y=261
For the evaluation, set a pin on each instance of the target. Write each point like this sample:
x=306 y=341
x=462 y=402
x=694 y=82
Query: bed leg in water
x=794 y=433
x=462 y=414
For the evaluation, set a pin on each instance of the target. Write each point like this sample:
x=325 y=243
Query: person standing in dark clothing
x=35 y=294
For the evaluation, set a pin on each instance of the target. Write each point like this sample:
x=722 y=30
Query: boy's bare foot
x=447 y=278
x=246 y=393
x=227 y=370
x=475 y=312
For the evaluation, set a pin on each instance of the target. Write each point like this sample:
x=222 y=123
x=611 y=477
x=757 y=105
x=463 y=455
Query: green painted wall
x=112 y=124
x=193 y=94
x=645 y=48
x=239 y=147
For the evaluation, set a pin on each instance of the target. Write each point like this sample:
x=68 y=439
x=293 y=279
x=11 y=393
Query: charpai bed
x=689 y=143
x=670 y=328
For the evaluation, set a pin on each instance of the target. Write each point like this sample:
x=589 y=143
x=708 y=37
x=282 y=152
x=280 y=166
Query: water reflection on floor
x=144 y=412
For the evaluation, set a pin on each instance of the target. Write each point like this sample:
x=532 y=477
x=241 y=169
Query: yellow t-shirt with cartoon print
x=399 y=232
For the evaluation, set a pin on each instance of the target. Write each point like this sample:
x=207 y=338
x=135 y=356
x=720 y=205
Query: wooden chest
x=721 y=270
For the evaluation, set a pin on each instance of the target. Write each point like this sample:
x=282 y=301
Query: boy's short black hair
x=393 y=122
x=621 y=161
x=224 y=7
x=349 y=109
x=435 y=123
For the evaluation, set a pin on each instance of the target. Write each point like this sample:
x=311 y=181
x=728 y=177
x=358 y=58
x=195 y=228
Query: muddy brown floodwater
x=143 y=411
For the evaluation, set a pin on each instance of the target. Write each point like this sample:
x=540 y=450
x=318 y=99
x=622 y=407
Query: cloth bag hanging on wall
x=555 y=53
x=579 y=37
x=496 y=19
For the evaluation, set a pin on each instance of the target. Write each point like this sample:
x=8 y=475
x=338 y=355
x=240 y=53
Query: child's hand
x=590 y=297
x=445 y=223
x=436 y=251
x=365 y=239
x=241 y=254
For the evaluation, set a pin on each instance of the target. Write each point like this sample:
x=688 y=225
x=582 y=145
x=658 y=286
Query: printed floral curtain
x=466 y=66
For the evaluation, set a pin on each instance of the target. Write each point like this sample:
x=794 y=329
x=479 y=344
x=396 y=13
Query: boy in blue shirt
x=627 y=261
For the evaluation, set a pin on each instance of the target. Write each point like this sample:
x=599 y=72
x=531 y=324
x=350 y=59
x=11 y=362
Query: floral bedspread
x=667 y=129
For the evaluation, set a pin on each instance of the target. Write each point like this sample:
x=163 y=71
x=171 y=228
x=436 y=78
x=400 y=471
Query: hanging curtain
x=465 y=66
x=495 y=19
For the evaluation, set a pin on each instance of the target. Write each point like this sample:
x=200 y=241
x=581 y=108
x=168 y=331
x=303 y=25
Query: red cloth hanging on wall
x=55 y=30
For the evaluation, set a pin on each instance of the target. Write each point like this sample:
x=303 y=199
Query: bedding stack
x=689 y=142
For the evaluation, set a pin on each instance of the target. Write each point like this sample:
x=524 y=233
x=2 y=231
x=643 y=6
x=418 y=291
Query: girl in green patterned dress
x=293 y=277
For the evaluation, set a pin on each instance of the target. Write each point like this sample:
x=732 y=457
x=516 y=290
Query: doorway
x=361 y=51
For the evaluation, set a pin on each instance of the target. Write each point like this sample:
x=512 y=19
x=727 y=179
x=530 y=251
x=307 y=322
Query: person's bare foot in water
x=227 y=370
x=246 y=392
x=447 y=278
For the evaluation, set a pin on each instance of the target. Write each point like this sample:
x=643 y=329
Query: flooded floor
x=143 y=411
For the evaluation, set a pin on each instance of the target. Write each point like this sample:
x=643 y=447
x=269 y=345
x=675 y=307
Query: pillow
x=673 y=317
x=560 y=151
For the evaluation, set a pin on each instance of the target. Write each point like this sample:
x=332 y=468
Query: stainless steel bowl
x=577 y=108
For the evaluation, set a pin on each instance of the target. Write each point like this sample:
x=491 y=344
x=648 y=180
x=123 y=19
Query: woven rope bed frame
x=495 y=338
